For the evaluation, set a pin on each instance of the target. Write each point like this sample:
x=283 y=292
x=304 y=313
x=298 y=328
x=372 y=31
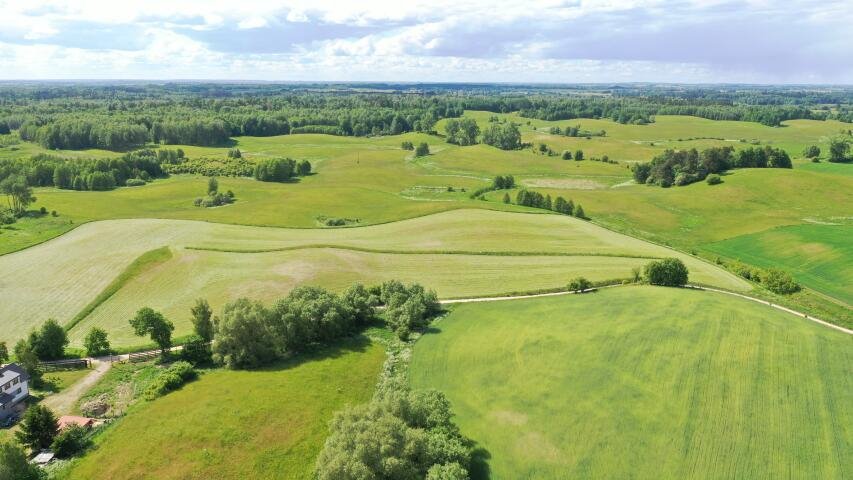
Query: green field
x=459 y=253
x=265 y=424
x=819 y=256
x=644 y=382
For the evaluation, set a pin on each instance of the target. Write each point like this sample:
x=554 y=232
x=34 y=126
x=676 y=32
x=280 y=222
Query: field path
x=695 y=287
x=62 y=403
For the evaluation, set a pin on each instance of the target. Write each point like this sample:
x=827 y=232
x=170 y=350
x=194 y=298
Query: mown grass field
x=264 y=424
x=459 y=253
x=819 y=256
x=644 y=382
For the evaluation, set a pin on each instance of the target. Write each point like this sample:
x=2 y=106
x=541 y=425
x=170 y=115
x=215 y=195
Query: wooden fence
x=69 y=364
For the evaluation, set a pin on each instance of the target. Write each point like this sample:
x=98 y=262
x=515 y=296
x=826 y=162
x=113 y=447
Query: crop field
x=644 y=382
x=819 y=256
x=265 y=424
x=459 y=253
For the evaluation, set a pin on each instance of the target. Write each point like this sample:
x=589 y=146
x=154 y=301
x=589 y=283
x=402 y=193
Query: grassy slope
x=65 y=274
x=644 y=382
x=265 y=424
x=818 y=256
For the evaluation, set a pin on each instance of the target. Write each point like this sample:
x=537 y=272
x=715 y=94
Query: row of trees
x=530 y=198
x=682 y=167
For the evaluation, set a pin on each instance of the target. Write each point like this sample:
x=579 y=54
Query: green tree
x=670 y=272
x=14 y=464
x=18 y=193
x=154 y=324
x=838 y=148
x=579 y=155
x=422 y=149
x=578 y=210
x=96 y=342
x=28 y=359
x=50 y=341
x=212 y=186
x=4 y=352
x=243 y=336
x=506 y=198
x=38 y=428
x=567 y=155
x=202 y=323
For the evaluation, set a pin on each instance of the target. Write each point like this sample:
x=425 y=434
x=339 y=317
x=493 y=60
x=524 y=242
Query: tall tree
x=202 y=323
x=18 y=193
x=38 y=428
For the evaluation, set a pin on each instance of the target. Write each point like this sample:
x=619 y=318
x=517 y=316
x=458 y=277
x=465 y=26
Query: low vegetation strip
x=645 y=382
x=423 y=252
x=142 y=263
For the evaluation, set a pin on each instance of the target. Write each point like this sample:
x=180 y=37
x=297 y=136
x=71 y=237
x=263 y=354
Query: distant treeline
x=682 y=167
x=121 y=117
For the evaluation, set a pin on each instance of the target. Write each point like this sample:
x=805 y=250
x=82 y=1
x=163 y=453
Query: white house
x=14 y=389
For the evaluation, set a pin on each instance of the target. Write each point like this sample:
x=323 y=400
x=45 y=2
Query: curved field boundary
x=778 y=307
x=142 y=263
x=694 y=287
x=420 y=252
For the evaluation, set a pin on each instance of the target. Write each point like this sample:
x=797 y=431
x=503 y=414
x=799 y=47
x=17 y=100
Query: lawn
x=818 y=256
x=644 y=382
x=264 y=424
x=536 y=251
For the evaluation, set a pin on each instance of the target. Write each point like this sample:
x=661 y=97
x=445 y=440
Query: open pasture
x=266 y=424
x=66 y=273
x=644 y=382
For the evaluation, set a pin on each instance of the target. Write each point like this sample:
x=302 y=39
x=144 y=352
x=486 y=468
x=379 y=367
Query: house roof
x=68 y=420
x=14 y=370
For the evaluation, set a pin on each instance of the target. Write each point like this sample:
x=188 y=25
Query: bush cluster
x=529 y=198
x=775 y=280
x=407 y=307
x=172 y=378
x=281 y=169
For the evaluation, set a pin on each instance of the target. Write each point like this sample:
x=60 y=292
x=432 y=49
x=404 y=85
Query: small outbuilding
x=66 y=421
x=42 y=458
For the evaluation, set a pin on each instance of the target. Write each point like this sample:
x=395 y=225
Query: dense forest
x=126 y=116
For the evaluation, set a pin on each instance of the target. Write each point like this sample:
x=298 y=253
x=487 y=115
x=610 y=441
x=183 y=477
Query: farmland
x=459 y=253
x=644 y=382
x=266 y=424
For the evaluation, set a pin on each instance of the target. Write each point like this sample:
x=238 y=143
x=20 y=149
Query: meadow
x=469 y=252
x=644 y=382
x=266 y=424
x=818 y=256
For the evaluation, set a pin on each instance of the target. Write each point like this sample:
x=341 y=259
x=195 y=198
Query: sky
x=575 y=41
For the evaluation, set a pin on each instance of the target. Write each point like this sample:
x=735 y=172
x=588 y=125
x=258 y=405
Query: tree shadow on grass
x=480 y=469
x=355 y=344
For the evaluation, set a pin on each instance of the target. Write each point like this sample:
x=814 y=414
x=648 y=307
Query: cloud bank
x=759 y=41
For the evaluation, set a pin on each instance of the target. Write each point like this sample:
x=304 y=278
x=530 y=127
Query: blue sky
x=795 y=41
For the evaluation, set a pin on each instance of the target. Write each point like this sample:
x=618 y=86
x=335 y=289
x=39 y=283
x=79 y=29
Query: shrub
x=135 y=182
x=778 y=281
x=171 y=379
x=407 y=146
x=812 y=151
x=196 y=351
x=579 y=284
x=71 y=441
x=714 y=179
x=422 y=149
x=567 y=155
x=669 y=272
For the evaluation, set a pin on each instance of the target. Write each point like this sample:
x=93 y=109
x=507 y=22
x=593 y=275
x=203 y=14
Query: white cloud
x=442 y=40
